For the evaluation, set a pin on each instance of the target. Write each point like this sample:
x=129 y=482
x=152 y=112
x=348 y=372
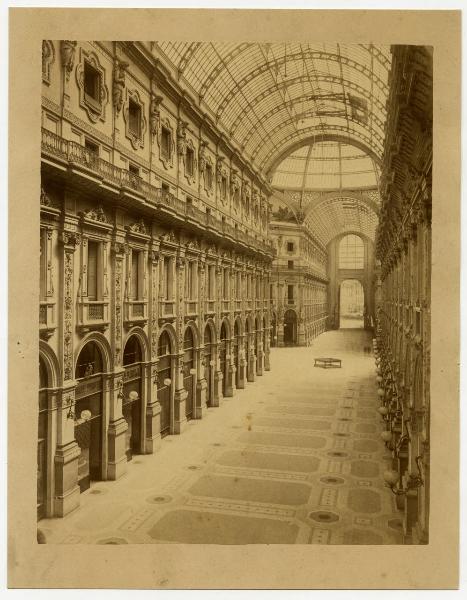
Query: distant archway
x=290 y=328
x=132 y=395
x=351 y=304
x=88 y=413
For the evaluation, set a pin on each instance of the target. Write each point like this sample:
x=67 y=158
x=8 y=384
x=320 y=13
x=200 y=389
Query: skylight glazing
x=270 y=97
x=326 y=165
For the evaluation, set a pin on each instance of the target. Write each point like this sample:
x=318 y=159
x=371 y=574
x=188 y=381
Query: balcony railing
x=73 y=153
x=210 y=307
x=46 y=318
x=191 y=307
x=168 y=307
x=135 y=311
x=93 y=314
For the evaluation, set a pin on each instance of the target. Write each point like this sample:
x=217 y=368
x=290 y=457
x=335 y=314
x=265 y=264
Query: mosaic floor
x=296 y=457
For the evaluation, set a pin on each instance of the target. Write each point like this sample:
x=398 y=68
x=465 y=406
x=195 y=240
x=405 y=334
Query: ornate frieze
x=119 y=251
x=97 y=214
x=70 y=240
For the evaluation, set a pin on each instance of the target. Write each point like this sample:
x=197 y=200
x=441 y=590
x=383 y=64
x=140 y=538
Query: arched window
x=164 y=346
x=89 y=361
x=43 y=377
x=132 y=352
x=351 y=252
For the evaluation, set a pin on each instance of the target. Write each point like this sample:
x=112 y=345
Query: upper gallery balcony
x=79 y=161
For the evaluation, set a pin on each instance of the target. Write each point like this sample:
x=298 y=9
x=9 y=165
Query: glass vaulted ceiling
x=273 y=98
x=326 y=166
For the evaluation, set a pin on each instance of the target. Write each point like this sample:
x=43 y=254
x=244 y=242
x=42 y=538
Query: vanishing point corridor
x=295 y=458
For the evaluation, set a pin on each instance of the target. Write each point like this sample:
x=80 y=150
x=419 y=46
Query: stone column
x=251 y=373
x=180 y=391
x=117 y=462
x=217 y=374
x=229 y=370
x=201 y=384
x=153 y=408
x=152 y=414
x=267 y=350
x=66 y=495
x=241 y=362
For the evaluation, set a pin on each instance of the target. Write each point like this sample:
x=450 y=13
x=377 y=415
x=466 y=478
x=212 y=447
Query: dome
x=326 y=165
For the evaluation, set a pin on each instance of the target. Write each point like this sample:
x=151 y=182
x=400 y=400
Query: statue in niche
x=181 y=137
x=120 y=68
x=202 y=156
x=67 y=51
x=154 y=114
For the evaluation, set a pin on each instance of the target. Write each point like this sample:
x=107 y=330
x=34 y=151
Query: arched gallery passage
x=88 y=413
x=132 y=396
x=165 y=370
x=351 y=304
x=290 y=328
x=42 y=428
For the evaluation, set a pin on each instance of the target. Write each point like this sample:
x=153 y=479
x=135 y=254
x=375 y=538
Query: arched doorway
x=42 y=427
x=351 y=304
x=188 y=368
x=290 y=328
x=132 y=388
x=223 y=357
x=164 y=379
x=273 y=331
x=236 y=349
x=247 y=348
x=88 y=414
x=258 y=366
x=208 y=357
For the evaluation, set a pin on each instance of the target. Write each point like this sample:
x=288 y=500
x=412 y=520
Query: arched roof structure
x=310 y=117
x=268 y=97
x=335 y=216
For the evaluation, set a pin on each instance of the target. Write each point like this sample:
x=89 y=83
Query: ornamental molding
x=191 y=178
x=167 y=161
x=96 y=214
x=208 y=184
x=138 y=228
x=155 y=114
x=46 y=201
x=136 y=138
x=70 y=239
x=203 y=144
x=67 y=54
x=94 y=110
x=48 y=59
x=222 y=174
x=169 y=237
x=181 y=137
x=193 y=245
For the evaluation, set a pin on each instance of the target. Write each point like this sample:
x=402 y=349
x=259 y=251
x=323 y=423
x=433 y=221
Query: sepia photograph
x=234 y=293
x=234 y=281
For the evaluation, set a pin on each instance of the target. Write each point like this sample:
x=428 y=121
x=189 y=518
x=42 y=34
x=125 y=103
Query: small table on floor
x=325 y=363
